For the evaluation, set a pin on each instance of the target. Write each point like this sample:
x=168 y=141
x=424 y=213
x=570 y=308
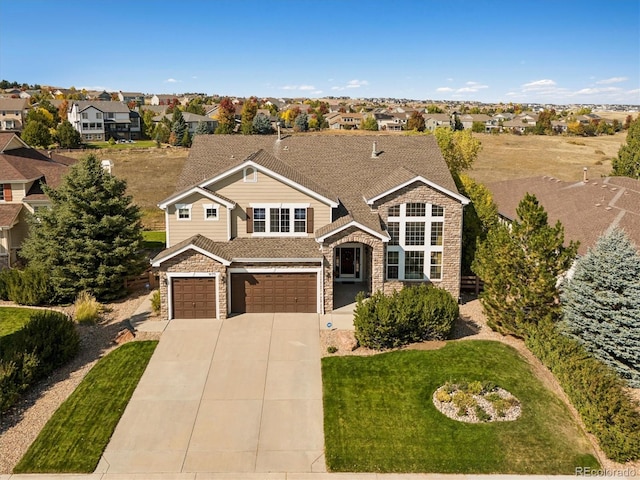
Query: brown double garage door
x=274 y=292
x=195 y=297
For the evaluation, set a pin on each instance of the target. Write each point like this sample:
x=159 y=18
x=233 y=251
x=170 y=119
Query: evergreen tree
x=178 y=125
x=91 y=237
x=262 y=124
x=301 y=123
x=186 y=139
x=601 y=304
x=202 y=128
x=627 y=163
x=67 y=136
x=249 y=112
x=226 y=116
x=36 y=134
x=520 y=265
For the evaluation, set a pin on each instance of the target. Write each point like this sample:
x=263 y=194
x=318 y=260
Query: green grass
x=78 y=432
x=122 y=146
x=12 y=319
x=154 y=240
x=379 y=416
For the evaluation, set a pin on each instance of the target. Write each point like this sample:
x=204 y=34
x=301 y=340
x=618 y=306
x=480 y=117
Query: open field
x=508 y=156
x=152 y=173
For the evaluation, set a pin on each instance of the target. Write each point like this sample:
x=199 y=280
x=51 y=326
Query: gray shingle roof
x=112 y=107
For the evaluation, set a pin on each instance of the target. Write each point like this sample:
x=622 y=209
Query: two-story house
x=22 y=171
x=100 y=121
x=13 y=112
x=262 y=224
x=436 y=120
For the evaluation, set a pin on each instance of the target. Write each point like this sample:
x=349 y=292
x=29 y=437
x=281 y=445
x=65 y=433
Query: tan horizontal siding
x=265 y=190
x=182 y=229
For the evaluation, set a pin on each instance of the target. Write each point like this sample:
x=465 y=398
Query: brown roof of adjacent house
x=334 y=166
x=586 y=209
x=13 y=103
x=28 y=164
x=9 y=214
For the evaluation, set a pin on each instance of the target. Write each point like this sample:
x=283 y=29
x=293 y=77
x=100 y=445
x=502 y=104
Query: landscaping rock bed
x=476 y=403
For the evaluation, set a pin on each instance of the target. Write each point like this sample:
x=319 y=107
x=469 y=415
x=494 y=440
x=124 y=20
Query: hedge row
x=595 y=390
x=46 y=342
x=413 y=314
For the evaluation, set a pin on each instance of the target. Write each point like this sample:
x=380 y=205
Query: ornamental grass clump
x=87 y=308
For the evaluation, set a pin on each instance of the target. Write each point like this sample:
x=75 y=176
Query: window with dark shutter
x=249 y=220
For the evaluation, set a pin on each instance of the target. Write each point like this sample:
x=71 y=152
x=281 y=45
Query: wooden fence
x=471 y=283
x=146 y=280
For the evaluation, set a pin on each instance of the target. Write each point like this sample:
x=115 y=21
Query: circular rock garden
x=476 y=402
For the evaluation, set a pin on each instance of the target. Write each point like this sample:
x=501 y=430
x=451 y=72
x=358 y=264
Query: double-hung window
x=183 y=211
x=415 y=248
x=280 y=219
x=211 y=211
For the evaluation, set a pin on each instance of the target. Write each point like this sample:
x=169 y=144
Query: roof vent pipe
x=279 y=137
x=374 y=152
x=585 y=179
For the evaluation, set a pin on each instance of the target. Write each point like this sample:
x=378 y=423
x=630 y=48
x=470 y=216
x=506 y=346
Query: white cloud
x=337 y=88
x=317 y=92
x=97 y=89
x=538 y=85
x=595 y=91
x=356 y=83
x=444 y=89
x=472 y=87
x=171 y=80
x=607 y=81
x=298 y=87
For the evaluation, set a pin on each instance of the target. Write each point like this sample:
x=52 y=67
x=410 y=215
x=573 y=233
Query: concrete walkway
x=239 y=395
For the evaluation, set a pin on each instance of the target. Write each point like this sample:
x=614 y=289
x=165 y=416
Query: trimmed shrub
x=46 y=342
x=87 y=308
x=413 y=314
x=595 y=390
x=30 y=286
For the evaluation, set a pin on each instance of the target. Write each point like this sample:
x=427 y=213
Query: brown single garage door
x=274 y=292
x=194 y=297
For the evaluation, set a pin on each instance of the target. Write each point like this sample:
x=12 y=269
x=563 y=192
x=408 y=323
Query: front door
x=347 y=263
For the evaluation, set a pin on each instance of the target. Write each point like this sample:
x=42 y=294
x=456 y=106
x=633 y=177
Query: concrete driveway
x=236 y=395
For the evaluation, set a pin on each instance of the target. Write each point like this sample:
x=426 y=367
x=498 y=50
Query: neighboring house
x=345 y=121
x=586 y=208
x=99 y=121
x=436 y=120
x=559 y=126
x=517 y=126
x=22 y=170
x=13 y=112
x=469 y=119
x=127 y=97
x=260 y=224
x=390 y=122
x=164 y=99
x=191 y=119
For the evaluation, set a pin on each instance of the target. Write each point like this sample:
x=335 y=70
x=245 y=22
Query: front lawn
x=379 y=415
x=12 y=319
x=78 y=432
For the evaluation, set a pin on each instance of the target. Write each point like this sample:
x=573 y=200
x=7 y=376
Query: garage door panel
x=194 y=297
x=265 y=293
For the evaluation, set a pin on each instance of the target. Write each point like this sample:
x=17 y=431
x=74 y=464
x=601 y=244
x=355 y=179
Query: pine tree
x=301 y=123
x=186 y=139
x=601 y=304
x=178 y=125
x=627 y=163
x=90 y=238
x=202 y=129
x=520 y=265
x=262 y=124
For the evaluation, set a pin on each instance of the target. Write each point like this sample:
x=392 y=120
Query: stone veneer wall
x=452 y=242
x=192 y=261
x=352 y=235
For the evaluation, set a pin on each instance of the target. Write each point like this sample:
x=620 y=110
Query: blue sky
x=556 y=51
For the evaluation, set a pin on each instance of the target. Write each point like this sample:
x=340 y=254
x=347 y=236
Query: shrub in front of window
x=413 y=314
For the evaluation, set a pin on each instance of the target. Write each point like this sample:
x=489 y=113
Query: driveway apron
x=237 y=395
